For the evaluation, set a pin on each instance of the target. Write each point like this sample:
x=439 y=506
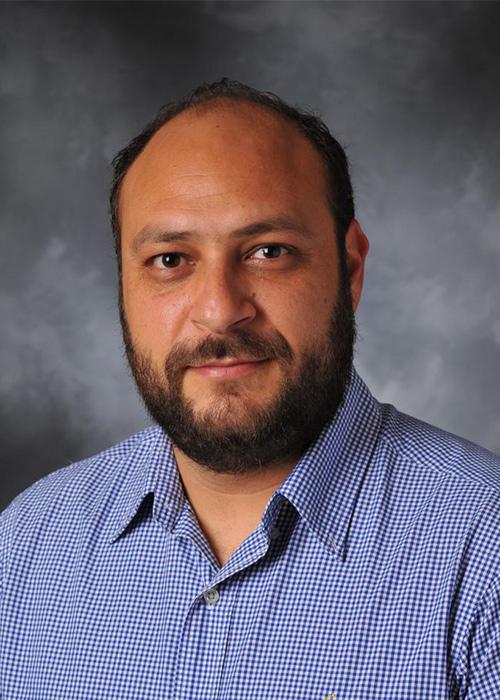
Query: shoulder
x=70 y=491
x=447 y=484
x=438 y=452
x=449 y=491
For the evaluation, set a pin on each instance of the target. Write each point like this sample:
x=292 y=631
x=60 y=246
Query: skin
x=211 y=174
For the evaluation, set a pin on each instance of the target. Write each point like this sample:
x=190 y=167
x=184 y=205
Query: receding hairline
x=232 y=95
x=233 y=104
x=227 y=103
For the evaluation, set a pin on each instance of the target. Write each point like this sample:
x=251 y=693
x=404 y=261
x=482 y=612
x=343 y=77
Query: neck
x=229 y=506
x=204 y=485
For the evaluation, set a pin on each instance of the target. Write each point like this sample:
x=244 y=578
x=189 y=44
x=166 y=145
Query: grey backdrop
x=412 y=91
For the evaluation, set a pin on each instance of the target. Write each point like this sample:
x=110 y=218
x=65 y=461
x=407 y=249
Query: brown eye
x=170 y=259
x=268 y=252
x=167 y=260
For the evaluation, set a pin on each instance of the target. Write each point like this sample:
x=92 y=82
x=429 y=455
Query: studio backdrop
x=409 y=88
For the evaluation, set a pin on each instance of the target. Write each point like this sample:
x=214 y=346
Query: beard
x=231 y=441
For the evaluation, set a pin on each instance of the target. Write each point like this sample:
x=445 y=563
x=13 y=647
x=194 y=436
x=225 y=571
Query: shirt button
x=211 y=596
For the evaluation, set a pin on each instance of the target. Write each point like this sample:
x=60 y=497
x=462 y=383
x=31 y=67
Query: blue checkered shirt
x=373 y=574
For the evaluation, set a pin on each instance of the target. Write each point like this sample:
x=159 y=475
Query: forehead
x=222 y=157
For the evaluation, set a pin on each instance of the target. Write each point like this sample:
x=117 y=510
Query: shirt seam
x=397 y=447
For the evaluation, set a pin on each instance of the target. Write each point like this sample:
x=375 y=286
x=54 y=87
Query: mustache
x=238 y=343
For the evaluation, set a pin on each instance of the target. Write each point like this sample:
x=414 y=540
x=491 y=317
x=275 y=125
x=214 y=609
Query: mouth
x=228 y=368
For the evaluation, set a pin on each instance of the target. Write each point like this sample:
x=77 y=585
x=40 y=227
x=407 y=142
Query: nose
x=222 y=301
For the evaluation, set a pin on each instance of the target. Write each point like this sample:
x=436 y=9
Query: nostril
x=219 y=316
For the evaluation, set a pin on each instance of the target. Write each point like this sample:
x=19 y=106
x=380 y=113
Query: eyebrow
x=152 y=234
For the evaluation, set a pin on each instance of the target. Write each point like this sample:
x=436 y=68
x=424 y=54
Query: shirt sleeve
x=483 y=663
x=477 y=650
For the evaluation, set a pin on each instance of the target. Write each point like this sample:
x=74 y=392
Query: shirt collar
x=323 y=487
x=325 y=484
x=149 y=469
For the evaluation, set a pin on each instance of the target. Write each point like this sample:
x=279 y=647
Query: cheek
x=154 y=321
x=302 y=316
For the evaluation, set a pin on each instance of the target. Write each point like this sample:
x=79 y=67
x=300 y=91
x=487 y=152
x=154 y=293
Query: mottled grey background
x=411 y=89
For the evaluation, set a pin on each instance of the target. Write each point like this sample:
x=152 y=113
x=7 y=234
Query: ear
x=356 y=245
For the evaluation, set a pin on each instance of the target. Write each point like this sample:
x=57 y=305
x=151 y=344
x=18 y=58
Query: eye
x=167 y=260
x=268 y=252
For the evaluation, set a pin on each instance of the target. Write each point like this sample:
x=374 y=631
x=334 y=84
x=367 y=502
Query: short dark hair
x=333 y=155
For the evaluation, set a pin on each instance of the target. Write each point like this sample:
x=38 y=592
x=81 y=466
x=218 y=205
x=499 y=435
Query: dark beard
x=306 y=401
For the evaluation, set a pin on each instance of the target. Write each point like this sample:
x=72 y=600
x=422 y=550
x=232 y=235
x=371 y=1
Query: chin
x=236 y=392
x=230 y=406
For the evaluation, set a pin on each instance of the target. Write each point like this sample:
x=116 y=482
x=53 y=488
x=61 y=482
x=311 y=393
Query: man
x=278 y=533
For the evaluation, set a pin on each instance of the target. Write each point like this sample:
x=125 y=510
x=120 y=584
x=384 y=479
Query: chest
x=151 y=618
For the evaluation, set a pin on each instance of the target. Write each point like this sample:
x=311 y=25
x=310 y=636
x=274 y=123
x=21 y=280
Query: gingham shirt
x=374 y=574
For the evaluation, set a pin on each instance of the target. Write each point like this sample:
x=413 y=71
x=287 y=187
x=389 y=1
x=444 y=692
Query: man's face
x=236 y=316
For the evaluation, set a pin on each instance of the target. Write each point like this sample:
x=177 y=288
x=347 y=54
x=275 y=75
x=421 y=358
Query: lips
x=228 y=368
x=227 y=362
